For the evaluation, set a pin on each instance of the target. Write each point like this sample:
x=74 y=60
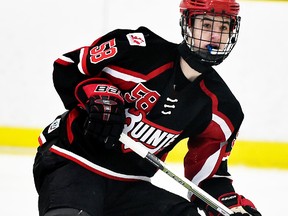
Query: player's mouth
x=211 y=47
x=214 y=49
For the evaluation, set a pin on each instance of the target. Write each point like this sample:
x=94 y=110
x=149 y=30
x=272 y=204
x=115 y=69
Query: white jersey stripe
x=42 y=138
x=66 y=59
x=221 y=176
x=122 y=76
x=80 y=68
x=82 y=161
x=224 y=127
x=207 y=168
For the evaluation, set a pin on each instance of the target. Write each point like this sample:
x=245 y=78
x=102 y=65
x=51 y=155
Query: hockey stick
x=201 y=194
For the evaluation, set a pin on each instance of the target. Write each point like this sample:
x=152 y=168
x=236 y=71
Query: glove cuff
x=234 y=200
x=95 y=86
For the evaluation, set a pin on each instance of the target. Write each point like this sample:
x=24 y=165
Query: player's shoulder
x=221 y=91
x=216 y=83
x=140 y=37
x=148 y=33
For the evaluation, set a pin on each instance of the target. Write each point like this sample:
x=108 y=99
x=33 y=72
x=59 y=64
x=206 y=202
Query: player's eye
x=224 y=28
x=207 y=25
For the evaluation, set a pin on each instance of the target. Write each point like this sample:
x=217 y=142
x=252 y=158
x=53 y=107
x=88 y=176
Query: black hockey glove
x=237 y=203
x=105 y=121
x=105 y=108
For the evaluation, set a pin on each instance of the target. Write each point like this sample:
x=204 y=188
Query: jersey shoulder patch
x=136 y=39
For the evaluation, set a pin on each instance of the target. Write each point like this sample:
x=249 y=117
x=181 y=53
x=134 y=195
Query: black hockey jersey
x=162 y=108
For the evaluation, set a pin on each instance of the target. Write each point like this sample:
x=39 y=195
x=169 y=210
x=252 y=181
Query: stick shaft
x=139 y=149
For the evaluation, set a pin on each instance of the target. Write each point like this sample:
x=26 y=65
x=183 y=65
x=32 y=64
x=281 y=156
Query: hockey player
x=156 y=92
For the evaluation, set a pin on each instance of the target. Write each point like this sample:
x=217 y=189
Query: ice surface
x=267 y=188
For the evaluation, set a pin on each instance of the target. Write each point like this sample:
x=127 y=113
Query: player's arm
x=206 y=165
x=78 y=65
x=104 y=106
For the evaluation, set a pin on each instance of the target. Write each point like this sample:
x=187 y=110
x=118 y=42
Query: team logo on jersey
x=136 y=39
x=152 y=136
x=54 y=125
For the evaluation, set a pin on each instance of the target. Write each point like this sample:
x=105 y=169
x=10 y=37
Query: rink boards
x=261 y=154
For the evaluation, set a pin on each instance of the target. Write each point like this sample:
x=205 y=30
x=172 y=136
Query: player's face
x=211 y=31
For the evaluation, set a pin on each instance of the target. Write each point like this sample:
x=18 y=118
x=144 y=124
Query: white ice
x=266 y=187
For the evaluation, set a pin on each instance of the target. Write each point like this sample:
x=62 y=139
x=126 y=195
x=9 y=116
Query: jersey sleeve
x=206 y=160
x=89 y=61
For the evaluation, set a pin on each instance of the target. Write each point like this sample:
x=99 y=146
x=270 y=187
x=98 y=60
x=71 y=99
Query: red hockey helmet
x=225 y=7
x=228 y=9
